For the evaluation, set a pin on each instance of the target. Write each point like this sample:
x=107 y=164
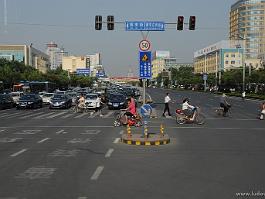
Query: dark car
x=61 y=101
x=116 y=101
x=29 y=101
x=6 y=101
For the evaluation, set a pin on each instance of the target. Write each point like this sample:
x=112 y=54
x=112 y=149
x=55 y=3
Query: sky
x=70 y=24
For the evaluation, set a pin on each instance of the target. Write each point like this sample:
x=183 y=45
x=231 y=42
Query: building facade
x=90 y=62
x=247 y=22
x=27 y=54
x=56 y=55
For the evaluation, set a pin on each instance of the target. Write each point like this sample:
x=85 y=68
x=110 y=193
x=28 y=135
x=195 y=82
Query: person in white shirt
x=166 y=109
x=188 y=109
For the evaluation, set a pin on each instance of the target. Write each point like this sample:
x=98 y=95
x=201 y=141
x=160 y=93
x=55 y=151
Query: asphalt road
x=55 y=154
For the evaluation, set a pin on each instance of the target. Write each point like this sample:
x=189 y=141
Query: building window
x=227 y=55
x=233 y=55
x=226 y=62
x=233 y=62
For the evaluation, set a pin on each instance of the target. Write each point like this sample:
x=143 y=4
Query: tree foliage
x=12 y=72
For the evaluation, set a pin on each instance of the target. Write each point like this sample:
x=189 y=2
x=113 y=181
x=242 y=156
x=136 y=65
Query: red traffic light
x=192 y=23
x=180 y=23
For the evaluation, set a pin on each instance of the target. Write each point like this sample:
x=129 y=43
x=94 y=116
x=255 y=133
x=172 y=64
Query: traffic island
x=139 y=139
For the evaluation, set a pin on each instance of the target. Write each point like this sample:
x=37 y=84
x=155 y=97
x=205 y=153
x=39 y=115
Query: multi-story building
x=27 y=54
x=91 y=62
x=247 y=22
x=56 y=55
x=221 y=56
x=158 y=62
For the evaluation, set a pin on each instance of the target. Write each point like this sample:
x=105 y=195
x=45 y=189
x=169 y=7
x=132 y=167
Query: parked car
x=60 y=101
x=6 y=101
x=46 y=98
x=16 y=96
x=29 y=101
x=93 y=101
x=116 y=101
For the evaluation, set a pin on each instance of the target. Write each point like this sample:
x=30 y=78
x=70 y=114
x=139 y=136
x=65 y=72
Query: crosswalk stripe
x=7 y=115
x=93 y=114
x=15 y=115
x=31 y=115
x=44 y=115
x=79 y=116
x=108 y=114
x=58 y=114
x=67 y=115
x=3 y=114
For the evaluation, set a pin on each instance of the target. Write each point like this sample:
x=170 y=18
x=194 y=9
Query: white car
x=93 y=101
x=46 y=98
x=16 y=96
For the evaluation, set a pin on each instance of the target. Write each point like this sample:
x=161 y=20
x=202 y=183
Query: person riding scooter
x=262 y=111
x=224 y=104
x=188 y=109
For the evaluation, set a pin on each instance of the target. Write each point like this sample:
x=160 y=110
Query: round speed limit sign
x=144 y=45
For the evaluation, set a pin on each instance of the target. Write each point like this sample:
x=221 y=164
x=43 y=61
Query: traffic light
x=180 y=23
x=110 y=22
x=98 y=22
x=192 y=23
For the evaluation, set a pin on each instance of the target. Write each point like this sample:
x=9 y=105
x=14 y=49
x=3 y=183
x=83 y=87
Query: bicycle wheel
x=200 y=119
x=180 y=120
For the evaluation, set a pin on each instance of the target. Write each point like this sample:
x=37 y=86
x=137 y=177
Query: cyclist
x=262 y=113
x=188 y=109
x=81 y=102
x=224 y=104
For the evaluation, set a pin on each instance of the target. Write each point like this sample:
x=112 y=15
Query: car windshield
x=48 y=95
x=28 y=97
x=15 y=94
x=91 y=96
x=56 y=97
x=117 y=98
x=2 y=97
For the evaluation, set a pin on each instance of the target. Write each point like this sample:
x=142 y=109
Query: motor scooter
x=181 y=118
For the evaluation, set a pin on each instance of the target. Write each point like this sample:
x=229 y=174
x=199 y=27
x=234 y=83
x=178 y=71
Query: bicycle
x=220 y=111
x=181 y=118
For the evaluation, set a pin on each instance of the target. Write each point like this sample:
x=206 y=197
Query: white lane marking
x=81 y=115
x=97 y=173
x=31 y=115
x=121 y=132
x=2 y=130
x=45 y=139
x=109 y=152
x=68 y=115
x=61 y=132
x=18 y=153
x=91 y=132
x=82 y=198
x=116 y=140
x=53 y=116
x=108 y=114
x=44 y=115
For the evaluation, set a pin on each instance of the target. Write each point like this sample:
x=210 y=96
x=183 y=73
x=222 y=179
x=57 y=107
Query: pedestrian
x=243 y=95
x=166 y=109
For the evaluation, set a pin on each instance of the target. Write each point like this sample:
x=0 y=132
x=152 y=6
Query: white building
x=56 y=55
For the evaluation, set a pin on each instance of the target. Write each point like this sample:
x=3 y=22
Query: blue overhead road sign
x=145 y=26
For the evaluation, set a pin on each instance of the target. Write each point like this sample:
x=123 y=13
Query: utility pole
x=5 y=15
